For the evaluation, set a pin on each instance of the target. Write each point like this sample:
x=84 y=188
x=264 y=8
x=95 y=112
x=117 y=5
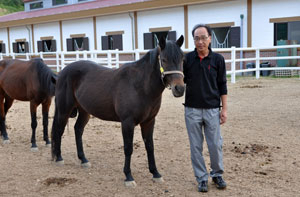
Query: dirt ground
x=261 y=150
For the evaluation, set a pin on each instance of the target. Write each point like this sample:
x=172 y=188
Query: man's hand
x=223 y=116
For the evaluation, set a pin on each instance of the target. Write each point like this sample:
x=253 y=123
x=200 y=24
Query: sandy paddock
x=261 y=150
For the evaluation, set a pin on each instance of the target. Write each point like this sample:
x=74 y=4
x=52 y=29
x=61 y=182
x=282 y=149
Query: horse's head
x=171 y=65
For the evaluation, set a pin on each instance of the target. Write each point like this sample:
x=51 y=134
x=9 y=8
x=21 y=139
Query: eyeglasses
x=201 y=38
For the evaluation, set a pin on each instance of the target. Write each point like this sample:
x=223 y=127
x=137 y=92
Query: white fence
x=111 y=58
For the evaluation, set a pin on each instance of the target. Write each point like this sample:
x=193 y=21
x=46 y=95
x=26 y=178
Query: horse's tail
x=54 y=134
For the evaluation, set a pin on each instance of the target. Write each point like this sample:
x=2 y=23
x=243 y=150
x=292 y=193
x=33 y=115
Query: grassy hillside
x=9 y=6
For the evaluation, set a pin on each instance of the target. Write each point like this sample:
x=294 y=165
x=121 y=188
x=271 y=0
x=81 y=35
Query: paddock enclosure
x=261 y=150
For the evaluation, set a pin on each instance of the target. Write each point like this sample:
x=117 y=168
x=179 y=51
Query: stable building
x=71 y=25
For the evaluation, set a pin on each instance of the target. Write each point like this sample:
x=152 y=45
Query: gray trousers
x=209 y=120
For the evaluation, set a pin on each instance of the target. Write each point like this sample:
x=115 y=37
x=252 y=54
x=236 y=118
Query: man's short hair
x=202 y=25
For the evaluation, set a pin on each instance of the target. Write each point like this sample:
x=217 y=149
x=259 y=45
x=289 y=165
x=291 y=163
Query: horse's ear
x=54 y=79
x=180 y=40
x=162 y=43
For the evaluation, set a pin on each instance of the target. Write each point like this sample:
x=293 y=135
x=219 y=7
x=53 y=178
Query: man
x=206 y=94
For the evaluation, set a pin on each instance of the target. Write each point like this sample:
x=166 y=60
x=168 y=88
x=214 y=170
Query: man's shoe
x=202 y=187
x=221 y=184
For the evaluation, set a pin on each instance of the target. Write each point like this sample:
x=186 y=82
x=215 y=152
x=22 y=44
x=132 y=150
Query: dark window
x=112 y=42
x=287 y=31
x=78 y=44
x=151 y=40
x=59 y=2
x=46 y=45
x=280 y=32
x=20 y=47
x=2 y=48
x=36 y=5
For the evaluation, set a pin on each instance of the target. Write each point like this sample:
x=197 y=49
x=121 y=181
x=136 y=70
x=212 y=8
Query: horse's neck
x=152 y=78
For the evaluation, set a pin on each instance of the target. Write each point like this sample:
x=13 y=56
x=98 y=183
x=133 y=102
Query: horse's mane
x=45 y=76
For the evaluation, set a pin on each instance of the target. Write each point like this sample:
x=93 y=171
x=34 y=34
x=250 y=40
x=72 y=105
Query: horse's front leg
x=45 y=111
x=33 y=108
x=147 y=134
x=128 y=132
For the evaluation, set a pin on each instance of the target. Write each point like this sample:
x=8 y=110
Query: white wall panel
x=79 y=26
x=45 y=30
x=171 y=17
x=119 y=22
x=218 y=13
x=263 y=10
x=4 y=38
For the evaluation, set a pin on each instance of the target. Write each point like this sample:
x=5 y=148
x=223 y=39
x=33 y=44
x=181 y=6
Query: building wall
x=79 y=26
x=4 y=38
x=171 y=17
x=20 y=32
x=263 y=10
x=45 y=30
x=119 y=22
x=217 y=13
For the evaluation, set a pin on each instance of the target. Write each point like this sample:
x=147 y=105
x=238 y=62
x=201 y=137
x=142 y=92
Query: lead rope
x=164 y=73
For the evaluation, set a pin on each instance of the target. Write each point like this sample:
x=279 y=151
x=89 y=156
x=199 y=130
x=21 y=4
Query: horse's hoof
x=6 y=141
x=60 y=163
x=158 y=180
x=48 y=145
x=131 y=184
x=34 y=149
x=86 y=165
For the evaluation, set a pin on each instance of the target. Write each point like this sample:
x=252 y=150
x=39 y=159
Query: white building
x=66 y=25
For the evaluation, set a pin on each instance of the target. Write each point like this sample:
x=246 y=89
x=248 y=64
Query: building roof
x=89 y=9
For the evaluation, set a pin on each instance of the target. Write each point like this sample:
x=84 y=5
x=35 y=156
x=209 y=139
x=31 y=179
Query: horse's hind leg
x=59 y=123
x=33 y=107
x=81 y=121
x=2 y=118
x=45 y=111
x=147 y=134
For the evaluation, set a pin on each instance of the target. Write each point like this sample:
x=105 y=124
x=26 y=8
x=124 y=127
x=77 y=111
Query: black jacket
x=205 y=80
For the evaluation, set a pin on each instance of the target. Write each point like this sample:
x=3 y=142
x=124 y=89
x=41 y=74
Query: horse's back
x=17 y=79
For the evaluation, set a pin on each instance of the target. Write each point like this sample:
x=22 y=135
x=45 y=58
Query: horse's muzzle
x=178 y=90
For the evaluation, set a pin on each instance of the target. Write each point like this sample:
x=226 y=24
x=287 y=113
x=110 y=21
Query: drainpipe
x=132 y=29
x=241 y=40
x=29 y=43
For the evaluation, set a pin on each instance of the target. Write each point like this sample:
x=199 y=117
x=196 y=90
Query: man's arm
x=223 y=114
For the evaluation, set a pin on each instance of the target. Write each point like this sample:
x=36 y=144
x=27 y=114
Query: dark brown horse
x=130 y=95
x=26 y=81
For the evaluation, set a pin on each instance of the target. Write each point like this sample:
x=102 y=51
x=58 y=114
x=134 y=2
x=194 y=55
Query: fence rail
x=111 y=58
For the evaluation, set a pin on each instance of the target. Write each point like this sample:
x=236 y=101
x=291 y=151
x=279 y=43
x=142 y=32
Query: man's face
x=201 y=39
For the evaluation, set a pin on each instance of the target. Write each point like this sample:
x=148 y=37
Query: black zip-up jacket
x=205 y=80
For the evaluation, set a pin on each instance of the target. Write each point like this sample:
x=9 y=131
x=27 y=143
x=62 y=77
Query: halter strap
x=164 y=73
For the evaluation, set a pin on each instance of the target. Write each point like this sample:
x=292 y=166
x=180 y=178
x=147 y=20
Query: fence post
x=233 y=54
x=84 y=55
x=257 y=56
x=117 y=58
x=41 y=54
x=109 y=59
x=27 y=56
x=1 y=56
x=13 y=56
x=57 y=61
x=137 y=55
x=62 y=60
